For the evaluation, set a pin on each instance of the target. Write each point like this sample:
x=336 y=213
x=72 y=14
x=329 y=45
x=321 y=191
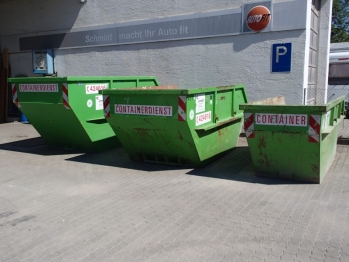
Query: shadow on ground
x=235 y=165
x=36 y=146
x=118 y=158
x=343 y=141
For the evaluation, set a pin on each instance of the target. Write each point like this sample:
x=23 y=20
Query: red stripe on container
x=315 y=125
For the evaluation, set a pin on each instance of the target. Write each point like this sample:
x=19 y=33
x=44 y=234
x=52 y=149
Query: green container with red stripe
x=292 y=141
x=68 y=111
x=172 y=126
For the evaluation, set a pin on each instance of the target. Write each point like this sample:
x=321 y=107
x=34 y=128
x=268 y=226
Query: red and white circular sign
x=258 y=18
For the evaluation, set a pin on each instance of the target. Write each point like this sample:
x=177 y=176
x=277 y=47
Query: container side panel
x=174 y=126
x=68 y=111
x=87 y=104
x=328 y=150
x=149 y=129
x=285 y=155
x=57 y=125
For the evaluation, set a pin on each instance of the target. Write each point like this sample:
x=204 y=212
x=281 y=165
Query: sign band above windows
x=200 y=25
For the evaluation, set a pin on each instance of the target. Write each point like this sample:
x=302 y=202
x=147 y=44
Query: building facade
x=276 y=47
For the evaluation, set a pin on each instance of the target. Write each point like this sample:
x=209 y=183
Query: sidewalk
x=66 y=206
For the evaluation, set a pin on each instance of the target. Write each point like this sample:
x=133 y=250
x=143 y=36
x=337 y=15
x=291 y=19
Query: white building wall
x=224 y=60
x=324 y=50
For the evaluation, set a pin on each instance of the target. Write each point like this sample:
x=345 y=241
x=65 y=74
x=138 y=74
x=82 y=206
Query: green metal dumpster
x=68 y=111
x=176 y=126
x=292 y=141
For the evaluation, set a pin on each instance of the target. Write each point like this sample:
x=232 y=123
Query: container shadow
x=36 y=146
x=343 y=141
x=119 y=158
x=237 y=165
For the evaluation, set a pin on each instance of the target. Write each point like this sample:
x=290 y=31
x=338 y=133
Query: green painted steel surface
x=177 y=126
x=68 y=111
x=292 y=141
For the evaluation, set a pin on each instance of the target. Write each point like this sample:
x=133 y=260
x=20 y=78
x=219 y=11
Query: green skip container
x=292 y=141
x=174 y=126
x=68 y=111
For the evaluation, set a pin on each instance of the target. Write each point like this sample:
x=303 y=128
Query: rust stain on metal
x=315 y=168
x=190 y=144
x=180 y=136
x=121 y=129
x=264 y=160
x=222 y=133
x=261 y=162
x=167 y=87
x=314 y=179
x=140 y=156
x=222 y=97
x=229 y=121
x=225 y=87
x=146 y=120
x=184 y=161
x=262 y=144
x=145 y=133
x=220 y=136
x=267 y=161
x=219 y=133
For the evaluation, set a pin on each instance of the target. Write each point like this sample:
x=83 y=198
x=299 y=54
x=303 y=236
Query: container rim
x=157 y=91
x=250 y=107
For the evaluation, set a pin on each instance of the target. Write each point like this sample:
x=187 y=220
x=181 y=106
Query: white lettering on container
x=38 y=88
x=281 y=119
x=149 y=110
x=93 y=89
x=203 y=118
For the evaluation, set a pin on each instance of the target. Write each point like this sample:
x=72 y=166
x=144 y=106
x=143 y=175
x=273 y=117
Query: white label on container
x=327 y=121
x=94 y=88
x=191 y=114
x=200 y=103
x=48 y=88
x=143 y=110
x=203 y=118
x=281 y=119
x=99 y=102
x=89 y=103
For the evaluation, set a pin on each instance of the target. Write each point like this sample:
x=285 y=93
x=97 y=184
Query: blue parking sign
x=281 y=57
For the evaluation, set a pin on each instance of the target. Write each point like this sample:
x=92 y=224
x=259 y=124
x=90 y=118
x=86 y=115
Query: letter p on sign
x=281 y=57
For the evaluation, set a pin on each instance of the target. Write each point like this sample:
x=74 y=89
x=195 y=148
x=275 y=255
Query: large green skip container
x=176 y=126
x=68 y=111
x=292 y=141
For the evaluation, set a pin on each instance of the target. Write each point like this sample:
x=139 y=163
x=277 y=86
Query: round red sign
x=258 y=18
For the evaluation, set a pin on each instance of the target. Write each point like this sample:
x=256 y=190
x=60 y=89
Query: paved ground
x=62 y=206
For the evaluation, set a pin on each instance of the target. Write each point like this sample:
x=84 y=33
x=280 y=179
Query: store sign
x=216 y=23
x=282 y=15
x=258 y=18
